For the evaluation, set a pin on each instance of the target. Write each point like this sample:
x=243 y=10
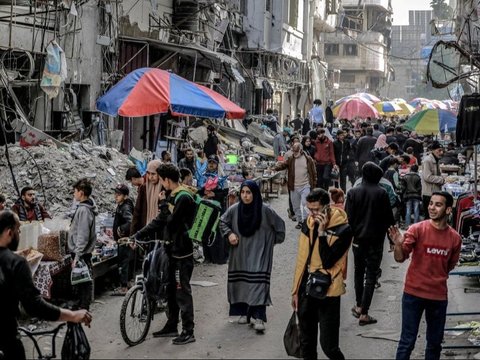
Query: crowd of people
x=386 y=191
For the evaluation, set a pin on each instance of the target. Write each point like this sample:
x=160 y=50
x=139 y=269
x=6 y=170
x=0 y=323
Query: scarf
x=381 y=142
x=152 y=192
x=250 y=215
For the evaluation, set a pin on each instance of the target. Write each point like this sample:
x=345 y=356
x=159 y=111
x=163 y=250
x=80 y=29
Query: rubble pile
x=59 y=169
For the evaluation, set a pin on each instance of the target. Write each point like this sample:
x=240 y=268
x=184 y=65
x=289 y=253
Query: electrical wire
x=39 y=174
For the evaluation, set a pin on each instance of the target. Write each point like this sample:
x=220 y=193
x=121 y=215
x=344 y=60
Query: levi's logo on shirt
x=434 y=251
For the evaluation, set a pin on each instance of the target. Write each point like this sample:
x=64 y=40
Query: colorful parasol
x=432 y=121
x=406 y=109
x=149 y=91
x=384 y=107
x=356 y=108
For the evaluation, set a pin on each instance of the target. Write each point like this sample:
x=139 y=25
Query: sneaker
x=242 y=320
x=290 y=214
x=184 y=338
x=166 y=332
x=259 y=325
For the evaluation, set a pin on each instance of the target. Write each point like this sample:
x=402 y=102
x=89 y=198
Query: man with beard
x=301 y=178
x=27 y=208
x=146 y=206
x=435 y=249
x=188 y=162
x=16 y=285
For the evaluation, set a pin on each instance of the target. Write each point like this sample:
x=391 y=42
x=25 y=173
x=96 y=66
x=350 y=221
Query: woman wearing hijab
x=252 y=229
x=379 y=150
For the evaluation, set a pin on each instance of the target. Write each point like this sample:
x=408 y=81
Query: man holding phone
x=323 y=246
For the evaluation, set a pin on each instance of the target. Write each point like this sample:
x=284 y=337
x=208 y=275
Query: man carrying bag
x=319 y=275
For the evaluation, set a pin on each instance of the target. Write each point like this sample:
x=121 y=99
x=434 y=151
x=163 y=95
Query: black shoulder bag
x=318 y=282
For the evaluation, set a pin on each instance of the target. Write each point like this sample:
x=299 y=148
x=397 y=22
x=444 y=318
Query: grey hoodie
x=82 y=235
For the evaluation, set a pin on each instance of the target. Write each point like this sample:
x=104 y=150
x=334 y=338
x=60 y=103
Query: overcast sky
x=401 y=7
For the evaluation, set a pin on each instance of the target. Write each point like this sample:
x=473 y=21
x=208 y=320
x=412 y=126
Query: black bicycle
x=33 y=334
x=138 y=307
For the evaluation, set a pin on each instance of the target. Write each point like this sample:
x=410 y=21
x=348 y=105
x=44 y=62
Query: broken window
x=353 y=20
x=293 y=14
x=350 y=49
x=331 y=7
x=332 y=49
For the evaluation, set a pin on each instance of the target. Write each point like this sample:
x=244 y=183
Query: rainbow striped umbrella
x=406 y=109
x=432 y=121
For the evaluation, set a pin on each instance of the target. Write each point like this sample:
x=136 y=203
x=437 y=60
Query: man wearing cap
x=432 y=180
x=280 y=142
x=121 y=228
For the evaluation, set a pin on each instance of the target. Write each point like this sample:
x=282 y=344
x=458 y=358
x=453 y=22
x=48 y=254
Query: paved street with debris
x=219 y=336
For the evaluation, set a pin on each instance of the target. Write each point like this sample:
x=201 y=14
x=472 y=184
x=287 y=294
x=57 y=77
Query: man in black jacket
x=342 y=148
x=365 y=146
x=369 y=215
x=16 y=285
x=176 y=225
x=121 y=228
x=416 y=145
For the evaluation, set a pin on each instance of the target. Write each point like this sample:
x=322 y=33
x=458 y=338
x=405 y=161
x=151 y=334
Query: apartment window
x=268 y=5
x=331 y=7
x=293 y=14
x=332 y=49
x=347 y=78
x=350 y=50
x=353 y=20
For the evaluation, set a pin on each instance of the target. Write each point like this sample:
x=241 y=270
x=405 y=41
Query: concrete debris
x=59 y=168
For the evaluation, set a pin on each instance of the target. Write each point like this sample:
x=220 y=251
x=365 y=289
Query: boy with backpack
x=175 y=218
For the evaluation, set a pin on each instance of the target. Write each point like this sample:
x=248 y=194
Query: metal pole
x=195 y=66
x=475 y=176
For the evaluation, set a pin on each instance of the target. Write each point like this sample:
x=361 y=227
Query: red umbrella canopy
x=357 y=108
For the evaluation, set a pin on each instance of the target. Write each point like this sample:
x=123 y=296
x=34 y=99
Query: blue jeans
x=415 y=205
x=412 y=311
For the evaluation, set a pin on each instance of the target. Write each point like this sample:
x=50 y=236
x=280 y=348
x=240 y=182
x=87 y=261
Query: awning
x=207 y=57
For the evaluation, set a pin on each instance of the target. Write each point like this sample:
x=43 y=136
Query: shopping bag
x=80 y=273
x=75 y=346
x=291 y=338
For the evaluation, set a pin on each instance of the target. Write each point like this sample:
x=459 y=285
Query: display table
x=267 y=185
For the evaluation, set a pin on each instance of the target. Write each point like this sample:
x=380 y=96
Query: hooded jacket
x=329 y=253
x=123 y=219
x=368 y=206
x=82 y=235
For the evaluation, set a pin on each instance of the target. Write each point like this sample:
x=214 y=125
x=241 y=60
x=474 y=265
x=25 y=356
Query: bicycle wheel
x=135 y=316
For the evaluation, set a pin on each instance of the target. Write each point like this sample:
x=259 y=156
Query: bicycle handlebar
x=53 y=333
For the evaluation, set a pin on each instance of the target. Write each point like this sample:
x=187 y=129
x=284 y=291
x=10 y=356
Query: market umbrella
x=364 y=96
x=419 y=102
x=439 y=105
x=149 y=91
x=398 y=100
x=338 y=104
x=432 y=121
x=384 y=107
x=354 y=108
x=406 y=109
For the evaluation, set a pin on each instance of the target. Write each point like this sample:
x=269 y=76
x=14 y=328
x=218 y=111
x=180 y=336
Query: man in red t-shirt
x=435 y=248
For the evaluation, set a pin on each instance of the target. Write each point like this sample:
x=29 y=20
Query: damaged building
x=258 y=53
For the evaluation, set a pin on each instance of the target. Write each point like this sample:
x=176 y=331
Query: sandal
x=355 y=313
x=369 y=320
x=118 y=292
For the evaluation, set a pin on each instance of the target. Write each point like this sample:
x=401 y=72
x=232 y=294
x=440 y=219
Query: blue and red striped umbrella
x=150 y=91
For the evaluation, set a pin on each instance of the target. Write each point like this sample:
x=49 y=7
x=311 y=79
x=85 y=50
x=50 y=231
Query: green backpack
x=206 y=219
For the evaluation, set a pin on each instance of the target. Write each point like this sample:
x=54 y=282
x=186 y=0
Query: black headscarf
x=250 y=215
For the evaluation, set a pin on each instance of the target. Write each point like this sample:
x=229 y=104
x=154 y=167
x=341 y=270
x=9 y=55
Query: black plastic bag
x=291 y=338
x=75 y=346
